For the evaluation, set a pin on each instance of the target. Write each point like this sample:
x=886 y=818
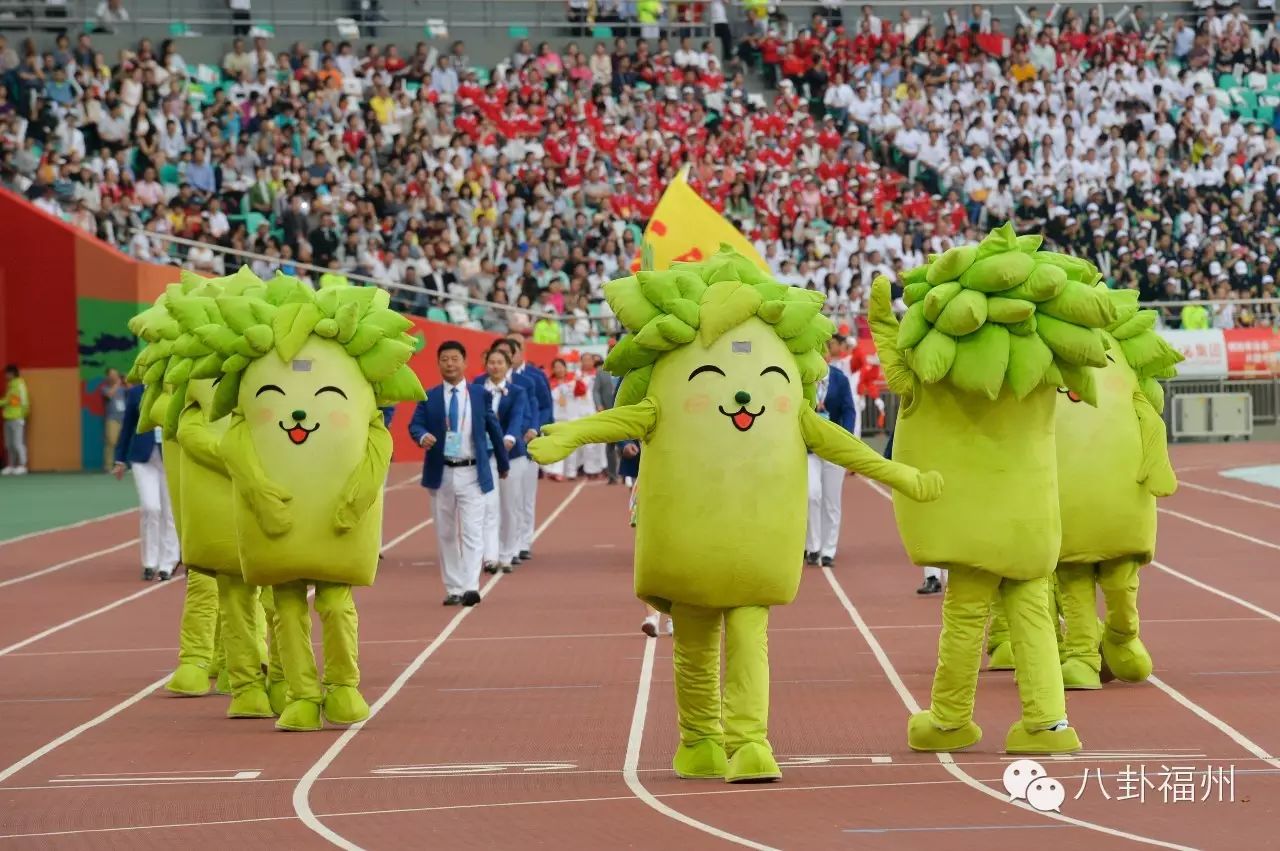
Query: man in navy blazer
x=541 y=413
x=826 y=480
x=457 y=426
x=144 y=453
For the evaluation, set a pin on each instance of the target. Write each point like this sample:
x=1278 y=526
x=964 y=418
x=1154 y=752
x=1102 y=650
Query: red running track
x=543 y=717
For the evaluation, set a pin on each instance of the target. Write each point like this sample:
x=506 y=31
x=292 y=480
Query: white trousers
x=826 y=487
x=159 y=536
x=15 y=442
x=594 y=458
x=528 y=502
x=511 y=501
x=457 y=507
x=492 y=515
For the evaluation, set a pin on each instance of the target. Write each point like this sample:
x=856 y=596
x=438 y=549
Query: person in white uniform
x=538 y=397
x=457 y=427
x=144 y=454
x=826 y=480
x=502 y=509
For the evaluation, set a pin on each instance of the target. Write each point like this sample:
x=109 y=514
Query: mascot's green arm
x=832 y=443
x=267 y=500
x=629 y=422
x=197 y=442
x=884 y=330
x=367 y=479
x=1156 y=471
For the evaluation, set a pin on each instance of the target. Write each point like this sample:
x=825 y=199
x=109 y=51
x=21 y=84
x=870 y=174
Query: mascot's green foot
x=753 y=763
x=1001 y=657
x=924 y=735
x=301 y=716
x=700 y=761
x=278 y=694
x=345 y=705
x=251 y=703
x=222 y=685
x=1020 y=740
x=1076 y=674
x=189 y=681
x=1129 y=661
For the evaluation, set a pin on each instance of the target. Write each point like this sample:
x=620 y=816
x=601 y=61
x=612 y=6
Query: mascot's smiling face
x=313 y=400
x=745 y=383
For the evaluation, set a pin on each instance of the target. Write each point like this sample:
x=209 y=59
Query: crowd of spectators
x=874 y=143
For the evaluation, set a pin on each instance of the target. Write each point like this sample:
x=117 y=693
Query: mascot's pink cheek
x=264 y=415
x=697 y=404
x=339 y=419
x=782 y=404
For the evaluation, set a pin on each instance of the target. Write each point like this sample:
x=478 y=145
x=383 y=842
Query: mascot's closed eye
x=707 y=368
x=331 y=389
x=779 y=370
x=264 y=388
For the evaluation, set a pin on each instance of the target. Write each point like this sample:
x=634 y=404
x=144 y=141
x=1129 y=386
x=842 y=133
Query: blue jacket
x=133 y=448
x=513 y=413
x=628 y=468
x=839 y=399
x=539 y=389
x=388 y=413
x=428 y=417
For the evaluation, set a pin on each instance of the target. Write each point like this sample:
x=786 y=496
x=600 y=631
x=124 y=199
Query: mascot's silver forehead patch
x=742 y=347
x=302 y=366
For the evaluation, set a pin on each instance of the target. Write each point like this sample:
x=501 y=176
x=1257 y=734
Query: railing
x=191 y=17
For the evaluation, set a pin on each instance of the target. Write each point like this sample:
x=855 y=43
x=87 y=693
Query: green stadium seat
x=1265 y=114
x=251 y=221
x=1273 y=81
x=169 y=174
x=517 y=32
x=602 y=32
x=436 y=314
x=482 y=75
x=1228 y=81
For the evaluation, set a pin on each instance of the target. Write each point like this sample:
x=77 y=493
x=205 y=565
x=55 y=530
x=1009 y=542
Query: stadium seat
x=436 y=314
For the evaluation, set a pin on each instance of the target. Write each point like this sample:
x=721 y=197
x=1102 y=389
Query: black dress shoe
x=453 y=600
x=506 y=568
x=515 y=560
x=810 y=558
x=164 y=577
x=148 y=574
x=525 y=555
x=470 y=598
x=827 y=561
x=490 y=567
x=931 y=586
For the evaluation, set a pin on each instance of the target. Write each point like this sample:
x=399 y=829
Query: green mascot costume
x=207 y=498
x=719 y=381
x=199 y=651
x=303 y=374
x=1113 y=464
x=991 y=331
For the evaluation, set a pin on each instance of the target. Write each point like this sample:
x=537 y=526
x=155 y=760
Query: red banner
x=1252 y=352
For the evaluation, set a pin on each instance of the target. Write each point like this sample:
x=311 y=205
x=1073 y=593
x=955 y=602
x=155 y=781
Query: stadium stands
x=843 y=144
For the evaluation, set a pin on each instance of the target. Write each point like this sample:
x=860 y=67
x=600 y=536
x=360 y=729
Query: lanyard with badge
x=452 y=438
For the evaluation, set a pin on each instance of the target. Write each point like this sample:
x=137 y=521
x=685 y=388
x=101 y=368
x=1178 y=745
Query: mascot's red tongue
x=743 y=420
x=298 y=435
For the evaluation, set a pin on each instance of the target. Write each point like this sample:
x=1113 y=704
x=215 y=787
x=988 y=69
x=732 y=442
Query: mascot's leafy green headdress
x=159 y=332
x=231 y=330
x=1147 y=353
x=666 y=310
x=1003 y=311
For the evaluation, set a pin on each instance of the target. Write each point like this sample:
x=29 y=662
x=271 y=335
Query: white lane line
x=135 y=698
x=79 y=524
x=76 y=731
x=68 y=563
x=1229 y=494
x=948 y=762
x=151 y=588
x=1223 y=594
x=1205 y=715
x=302 y=792
x=631 y=765
x=1215 y=527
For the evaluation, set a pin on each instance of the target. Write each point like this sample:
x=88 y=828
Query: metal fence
x=1265 y=392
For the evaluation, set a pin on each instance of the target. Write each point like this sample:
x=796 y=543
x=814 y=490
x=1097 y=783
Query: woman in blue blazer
x=144 y=454
x=502 y=516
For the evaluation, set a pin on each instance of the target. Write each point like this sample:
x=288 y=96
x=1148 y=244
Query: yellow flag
x=684 y=229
